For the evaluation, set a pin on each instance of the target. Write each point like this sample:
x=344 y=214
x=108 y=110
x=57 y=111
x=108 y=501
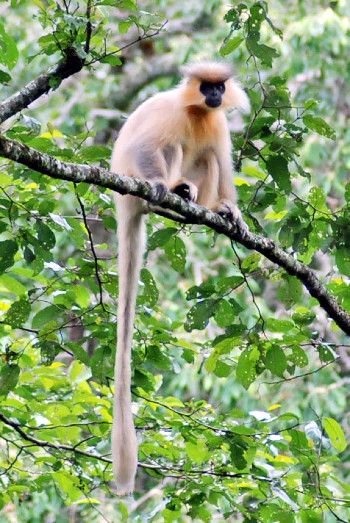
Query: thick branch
x=193 y=213
x=71 y=64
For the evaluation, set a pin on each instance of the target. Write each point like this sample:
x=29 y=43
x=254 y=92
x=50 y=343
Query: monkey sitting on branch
x=177 y=140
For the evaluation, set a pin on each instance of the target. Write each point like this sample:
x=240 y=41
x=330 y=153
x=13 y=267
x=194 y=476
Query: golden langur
x=177 y=140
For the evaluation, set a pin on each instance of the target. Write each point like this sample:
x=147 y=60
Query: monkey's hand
x=230 y=212
x=187 y=190
x=158 y=191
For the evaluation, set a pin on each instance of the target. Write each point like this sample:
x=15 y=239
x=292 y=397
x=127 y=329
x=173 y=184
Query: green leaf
x=8 y=49
x=238 y=446
x=277 y=166
x=204 y=290
x=48 y=351
x=317 y=198
x=68 y=485
x=176 y=252
x=5 y=78
x=150 y=291
x=12 y=285
x=144 y=380
x=227 y=312
x=303 y=316
x=335 y=433
x=265 y=53
x=124 y=26
x=102 y=364
x=112 y=59
x=160 y=238
x=78 y=372
x=94 y=153
x=8 y=249
x=317 y=124
x=158 y=358
x=311 y=516
x=222 y=370
x=246 y=366
x=275 y=325
x=251 y=263
x=342 y=258
x=298 y=357
x=45 y=316
x=197 y=452
x=199 y=315
x=231 y=45
x=18 y=313
x=45 y=236
x=5 y=179
x=8 y=378
x=326 y=353
x=82 y=296
x=276 y=361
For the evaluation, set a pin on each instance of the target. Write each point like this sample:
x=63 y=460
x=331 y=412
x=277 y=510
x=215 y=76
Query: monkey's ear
x=238 y=98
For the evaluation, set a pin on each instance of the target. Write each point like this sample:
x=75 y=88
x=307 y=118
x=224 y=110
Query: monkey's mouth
x=213 y=102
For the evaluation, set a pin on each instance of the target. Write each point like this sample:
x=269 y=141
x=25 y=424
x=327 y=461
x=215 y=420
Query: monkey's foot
x=158 y=191
x=187 y=190
x=230 y=212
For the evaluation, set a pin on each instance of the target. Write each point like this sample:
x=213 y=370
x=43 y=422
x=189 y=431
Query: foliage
x=222 y=336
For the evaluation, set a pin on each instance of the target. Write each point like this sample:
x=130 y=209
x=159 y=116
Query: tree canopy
x=241 y=357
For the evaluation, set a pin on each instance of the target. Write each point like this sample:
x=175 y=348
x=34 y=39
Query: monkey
x=177 y=140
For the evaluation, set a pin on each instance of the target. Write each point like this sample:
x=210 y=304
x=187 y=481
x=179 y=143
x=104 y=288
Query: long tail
x=131 y=237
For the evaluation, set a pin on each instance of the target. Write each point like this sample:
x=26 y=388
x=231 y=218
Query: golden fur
x=173 y=140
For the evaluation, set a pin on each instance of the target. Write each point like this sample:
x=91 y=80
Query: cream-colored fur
x=173 y=138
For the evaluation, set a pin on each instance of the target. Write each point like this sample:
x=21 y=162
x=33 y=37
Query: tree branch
x=193 y=213
x=71 y=64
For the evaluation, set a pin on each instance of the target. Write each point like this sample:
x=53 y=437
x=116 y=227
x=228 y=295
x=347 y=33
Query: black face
x=213 y=92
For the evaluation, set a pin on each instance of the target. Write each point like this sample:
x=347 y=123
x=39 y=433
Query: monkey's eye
x=221 y=87
x=205 y=87
x=210 y=87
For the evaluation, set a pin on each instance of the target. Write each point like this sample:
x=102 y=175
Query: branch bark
x=193 y=213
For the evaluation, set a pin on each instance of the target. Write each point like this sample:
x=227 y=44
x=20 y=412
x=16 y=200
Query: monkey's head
x=210 y=86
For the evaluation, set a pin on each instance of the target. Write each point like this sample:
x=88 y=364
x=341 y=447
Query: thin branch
x=71 y=64
x=88 y=27
x=77 y=173
x=46 y=444
x=92 y=246
x=309 y=373
x=126 y=46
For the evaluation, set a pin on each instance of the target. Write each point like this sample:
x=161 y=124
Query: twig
x=88 y=27
x=97 y=274
x=299 y=375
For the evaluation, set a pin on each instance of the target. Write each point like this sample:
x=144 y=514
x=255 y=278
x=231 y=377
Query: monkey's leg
x=151 y=166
